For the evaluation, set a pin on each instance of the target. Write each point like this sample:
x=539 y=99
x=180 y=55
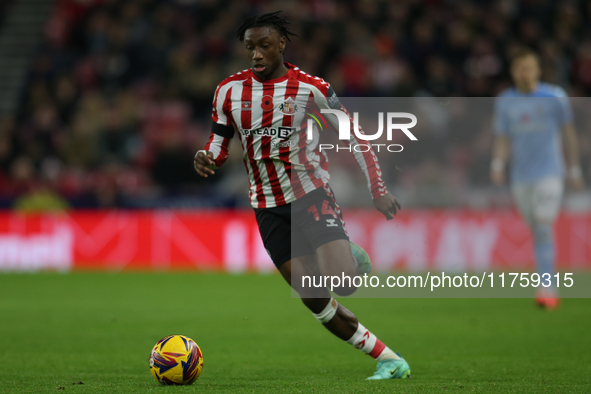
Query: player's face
x=265 y=50
x=526 y=73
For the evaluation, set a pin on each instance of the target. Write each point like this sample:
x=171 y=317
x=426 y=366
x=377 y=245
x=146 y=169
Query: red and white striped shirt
x=268 y=117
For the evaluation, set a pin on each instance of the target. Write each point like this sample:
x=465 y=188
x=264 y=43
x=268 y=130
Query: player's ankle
x=388 y=354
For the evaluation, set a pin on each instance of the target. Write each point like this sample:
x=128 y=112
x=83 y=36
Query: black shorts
x=299 y=228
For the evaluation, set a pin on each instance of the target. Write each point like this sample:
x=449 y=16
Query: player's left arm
x=383 y=200
x=571 y=142
x=571 y=148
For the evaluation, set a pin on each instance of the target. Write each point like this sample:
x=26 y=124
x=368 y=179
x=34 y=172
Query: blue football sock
x=544 y=245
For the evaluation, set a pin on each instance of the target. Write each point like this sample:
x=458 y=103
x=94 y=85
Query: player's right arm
x=501 y=145
x=500 y=157
x=215 y=152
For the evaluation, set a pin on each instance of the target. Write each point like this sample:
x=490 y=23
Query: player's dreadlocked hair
x=272 y=19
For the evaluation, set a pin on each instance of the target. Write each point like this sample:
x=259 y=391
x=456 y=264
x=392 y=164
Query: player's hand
x=498 y=177
x=387 y=205
x=203 y=163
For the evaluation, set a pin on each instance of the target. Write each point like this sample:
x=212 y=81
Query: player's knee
x=342 y=281
x=315 y=305
x=345 y=291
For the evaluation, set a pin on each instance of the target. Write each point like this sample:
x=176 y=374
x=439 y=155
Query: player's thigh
x=303 y=276
x=335 y=258
x=316 y=217
x=547 y=199
x=279 y=240
x=524 y=200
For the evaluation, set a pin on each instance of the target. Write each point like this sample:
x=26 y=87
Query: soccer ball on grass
x=176 y=360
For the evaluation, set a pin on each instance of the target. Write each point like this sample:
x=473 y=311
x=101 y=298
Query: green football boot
x=362 y=258
x=391 y=369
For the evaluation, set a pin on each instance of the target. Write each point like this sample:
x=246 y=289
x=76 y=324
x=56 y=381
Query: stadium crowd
x=4 y=8
x=118 y=97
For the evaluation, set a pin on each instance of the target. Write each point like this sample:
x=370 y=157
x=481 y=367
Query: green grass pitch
x=60 y=329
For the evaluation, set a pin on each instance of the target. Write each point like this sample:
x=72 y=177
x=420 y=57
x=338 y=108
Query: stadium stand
x=117 y=98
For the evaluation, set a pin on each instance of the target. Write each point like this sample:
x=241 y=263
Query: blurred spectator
x=44 y=199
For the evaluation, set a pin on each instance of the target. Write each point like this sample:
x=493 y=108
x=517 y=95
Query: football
x=176 y=360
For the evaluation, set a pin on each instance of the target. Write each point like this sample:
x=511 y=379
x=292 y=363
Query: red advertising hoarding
x=225 y=240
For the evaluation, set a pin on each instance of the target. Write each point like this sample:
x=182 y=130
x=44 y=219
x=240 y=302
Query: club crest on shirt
x=289 y=107
x=246 y=106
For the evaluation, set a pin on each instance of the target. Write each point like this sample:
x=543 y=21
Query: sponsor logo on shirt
x=282 y=144
x=281 y=131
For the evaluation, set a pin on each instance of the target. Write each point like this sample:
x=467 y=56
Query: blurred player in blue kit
x=532 y=119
